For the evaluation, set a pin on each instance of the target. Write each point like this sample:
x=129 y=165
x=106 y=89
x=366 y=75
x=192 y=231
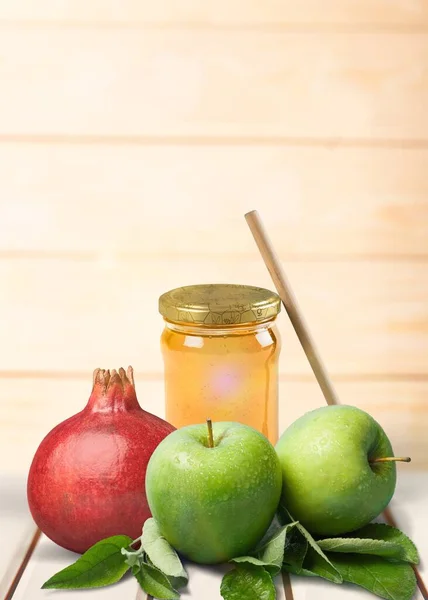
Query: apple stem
x=210 y=434
x=406 y=459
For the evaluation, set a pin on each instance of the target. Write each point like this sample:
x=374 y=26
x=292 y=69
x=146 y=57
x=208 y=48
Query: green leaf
x=101 y=565
x=154 y=582
x=389 y=550
x=296 y=544
x=295 y=550
x=162 y=554
x=270 y=555
x=283 y=515
x=390 y=535
x=301 y=572
x=272 y=529
x=248 y=583
x=315 y=562
x=272 y=551
x=252 y=560
x=389 y=580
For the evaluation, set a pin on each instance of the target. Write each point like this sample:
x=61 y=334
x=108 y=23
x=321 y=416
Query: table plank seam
x=204 y=140
x=288 y=588
x=20 y=571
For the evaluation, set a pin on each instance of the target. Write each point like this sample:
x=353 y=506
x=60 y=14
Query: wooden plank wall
x=133 y=137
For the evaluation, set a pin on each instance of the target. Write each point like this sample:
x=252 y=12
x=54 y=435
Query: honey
x=220 y=347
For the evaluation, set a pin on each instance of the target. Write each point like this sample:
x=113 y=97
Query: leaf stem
x=405 y=459
x=136 y=541
x=210 y=434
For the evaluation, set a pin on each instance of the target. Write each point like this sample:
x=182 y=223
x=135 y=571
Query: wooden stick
x=296 y=317
x=291 y=306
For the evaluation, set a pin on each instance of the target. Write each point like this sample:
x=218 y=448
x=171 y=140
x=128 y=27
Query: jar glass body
x=222 y=373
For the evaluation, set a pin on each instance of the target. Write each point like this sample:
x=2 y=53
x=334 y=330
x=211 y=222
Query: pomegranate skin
x=87 y=478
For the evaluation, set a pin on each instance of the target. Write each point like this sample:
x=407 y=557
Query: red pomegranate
x=87 y=479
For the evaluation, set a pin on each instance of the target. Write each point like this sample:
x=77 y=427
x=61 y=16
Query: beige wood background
x=133 y=137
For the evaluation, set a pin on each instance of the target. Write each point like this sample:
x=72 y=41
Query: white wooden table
x=26 y=565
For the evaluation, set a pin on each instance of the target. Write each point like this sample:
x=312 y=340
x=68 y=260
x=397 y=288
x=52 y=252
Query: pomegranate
x=87 y=479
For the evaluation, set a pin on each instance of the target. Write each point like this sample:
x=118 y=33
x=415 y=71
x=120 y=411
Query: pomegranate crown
x=108 y=378
x=113 y=391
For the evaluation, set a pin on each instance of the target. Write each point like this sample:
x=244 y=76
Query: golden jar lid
x=219 y=304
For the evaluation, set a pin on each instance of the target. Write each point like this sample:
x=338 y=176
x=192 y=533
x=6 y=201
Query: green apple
x=330 y=482
x=214 y=503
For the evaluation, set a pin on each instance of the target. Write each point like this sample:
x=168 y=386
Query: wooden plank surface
x=316 y=202
x=32 y=407
x=65 y=315
x=191 y=83
x=16 y=525
x=223 y=12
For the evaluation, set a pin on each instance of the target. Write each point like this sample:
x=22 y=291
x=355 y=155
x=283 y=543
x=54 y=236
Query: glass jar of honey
x=221 y=347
